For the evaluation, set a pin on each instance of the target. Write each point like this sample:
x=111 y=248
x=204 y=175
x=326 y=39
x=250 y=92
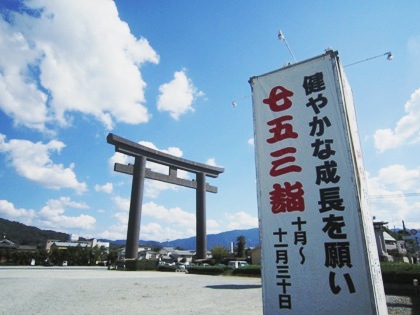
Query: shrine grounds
x=97 y=290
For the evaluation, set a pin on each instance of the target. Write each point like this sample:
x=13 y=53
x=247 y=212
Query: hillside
x=22 y=234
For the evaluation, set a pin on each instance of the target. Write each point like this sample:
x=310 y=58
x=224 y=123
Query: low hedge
x=142 y=264
x=166 y=268
x=207 y=270
x=399 y=272
x=250 y=270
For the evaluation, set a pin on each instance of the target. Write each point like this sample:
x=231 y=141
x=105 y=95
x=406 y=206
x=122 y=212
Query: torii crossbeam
x=139 y=172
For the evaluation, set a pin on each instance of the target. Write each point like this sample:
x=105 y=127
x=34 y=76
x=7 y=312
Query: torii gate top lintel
x=134 y=149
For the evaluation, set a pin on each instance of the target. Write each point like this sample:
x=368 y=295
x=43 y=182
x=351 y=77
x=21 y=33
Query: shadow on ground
x=234 y=286
x=402 y=304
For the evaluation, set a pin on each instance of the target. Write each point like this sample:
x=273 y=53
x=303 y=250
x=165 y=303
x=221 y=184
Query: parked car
x=48 y=264
x=233 y=264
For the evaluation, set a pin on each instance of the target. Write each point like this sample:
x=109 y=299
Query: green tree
x=219 y=253
x=240 y=246
x=112 y=256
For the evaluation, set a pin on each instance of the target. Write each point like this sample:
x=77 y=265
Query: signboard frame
x=318 y=247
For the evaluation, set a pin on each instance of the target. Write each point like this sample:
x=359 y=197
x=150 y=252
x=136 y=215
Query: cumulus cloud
x=407 y=129
x=240 y=220
x=388 y=191
x=115 y=232
x=211 y=162
x=119 y=158
x=158 y=222
x=121 y=204
x=177 y=96
x=175 y=216
x=32 y=161
x=9 y=211
x=58 y=61
x=51 y=216
x=106 y=188
x=155 y=231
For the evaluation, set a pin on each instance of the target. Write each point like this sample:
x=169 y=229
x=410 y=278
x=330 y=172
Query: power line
x=394 y=195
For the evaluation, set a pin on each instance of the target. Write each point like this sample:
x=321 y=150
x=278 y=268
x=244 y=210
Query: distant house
x=380 y=241
x=95 y=242
x=6 y=244
x=175 y=255
x=66 y=245
x=143 y=253
x=390 y=243
x=185 y=256
x=73 y=242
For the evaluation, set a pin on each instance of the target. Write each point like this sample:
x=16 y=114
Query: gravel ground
x=402 y=305
x=71 y=290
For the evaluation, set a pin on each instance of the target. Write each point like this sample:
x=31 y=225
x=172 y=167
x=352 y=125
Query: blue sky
x=165 y=73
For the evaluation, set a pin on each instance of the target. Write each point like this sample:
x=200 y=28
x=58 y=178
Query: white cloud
x=407 y=129
x=240 y=220
x=388 y=195
x=9 y=211
x=51 y=216
x=119 y=158
x=155 y=231
x=106 y=188
x=251 y=141
x=113 y=234
x=400 y=177
x=60 y=62
x=177 y=96
x=158 y=222
x=211 y=162
x=32 y=161
x=175 y=216
x=122 y=204
x=394 y=179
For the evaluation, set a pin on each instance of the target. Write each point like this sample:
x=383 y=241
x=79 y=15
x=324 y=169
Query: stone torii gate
x=139 y=172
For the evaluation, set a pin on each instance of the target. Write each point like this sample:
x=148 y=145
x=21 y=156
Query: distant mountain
x=222 y=239
x=22 y=234
x=27 y=235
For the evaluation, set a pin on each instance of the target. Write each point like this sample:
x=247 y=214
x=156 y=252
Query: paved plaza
x=97 y=290
x=71 y=290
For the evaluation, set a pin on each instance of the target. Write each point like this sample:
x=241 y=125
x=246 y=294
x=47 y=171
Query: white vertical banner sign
x=318 y=247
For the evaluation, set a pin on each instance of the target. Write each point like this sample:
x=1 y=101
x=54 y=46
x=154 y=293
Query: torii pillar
x=139 y=172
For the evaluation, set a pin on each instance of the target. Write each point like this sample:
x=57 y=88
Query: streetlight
x=388 y=55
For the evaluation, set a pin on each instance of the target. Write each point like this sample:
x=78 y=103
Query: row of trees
x=78 y=256
x=83 y=256
x=221 y=253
